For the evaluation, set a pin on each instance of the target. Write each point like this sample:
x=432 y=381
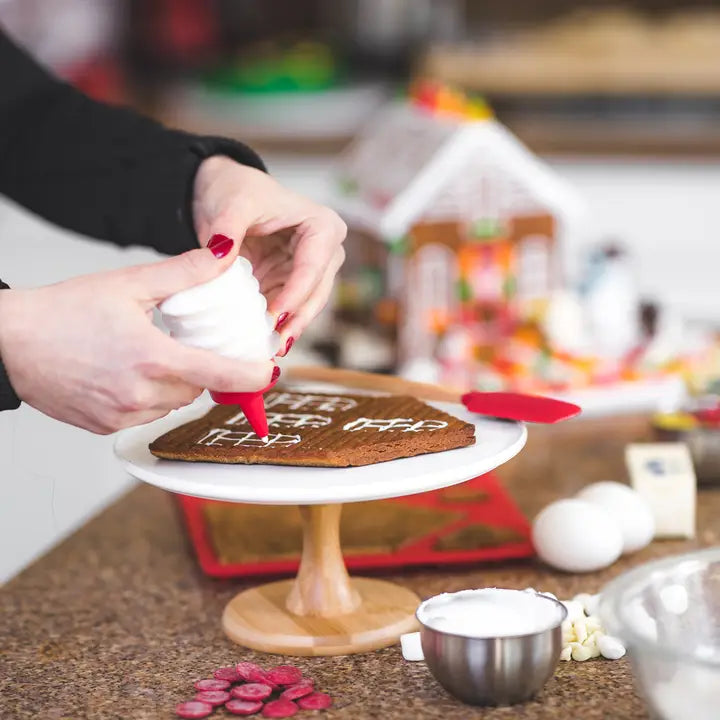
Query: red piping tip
x=251 y=403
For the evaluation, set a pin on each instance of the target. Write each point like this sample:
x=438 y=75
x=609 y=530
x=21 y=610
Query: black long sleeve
x=102 y=171
x=8 y=397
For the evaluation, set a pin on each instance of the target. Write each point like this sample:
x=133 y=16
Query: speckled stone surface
x=117 y=622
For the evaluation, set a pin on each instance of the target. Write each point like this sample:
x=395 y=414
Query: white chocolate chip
x=593 y=623
x=580 y=653
x=582 y=598
x=589 y=602
x=610 y=647
x=411 y=647
x=580 y=630
x=592 y=644
x=574 y=609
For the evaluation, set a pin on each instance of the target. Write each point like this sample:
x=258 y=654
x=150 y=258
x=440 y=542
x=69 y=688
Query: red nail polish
x=221 y=245
x=275 y=374
x=289 y=344
x=282 y=319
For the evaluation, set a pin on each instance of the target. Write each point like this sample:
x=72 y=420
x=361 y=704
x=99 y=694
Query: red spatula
x=516 y=406
x=503 y=405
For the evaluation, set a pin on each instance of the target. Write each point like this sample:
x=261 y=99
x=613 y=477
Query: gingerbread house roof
x=410 y=165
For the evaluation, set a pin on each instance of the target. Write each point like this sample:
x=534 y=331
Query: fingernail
x=282 y=319
x=275 y=374
x=221 y=245
x=289 y=344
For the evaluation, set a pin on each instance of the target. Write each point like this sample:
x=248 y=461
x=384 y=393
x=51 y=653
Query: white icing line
x=393 y=424
x=290 y=420
x=297 y=401
x=224 y=437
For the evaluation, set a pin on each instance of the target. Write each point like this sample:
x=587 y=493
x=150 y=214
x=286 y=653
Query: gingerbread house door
x=430 y=295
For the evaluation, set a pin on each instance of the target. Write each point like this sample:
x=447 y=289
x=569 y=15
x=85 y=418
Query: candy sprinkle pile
x=247 y=689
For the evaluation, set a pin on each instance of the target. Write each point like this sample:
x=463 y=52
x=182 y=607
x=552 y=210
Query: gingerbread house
x=455 y=231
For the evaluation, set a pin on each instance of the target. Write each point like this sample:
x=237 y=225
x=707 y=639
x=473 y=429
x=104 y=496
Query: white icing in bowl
x=491 y=612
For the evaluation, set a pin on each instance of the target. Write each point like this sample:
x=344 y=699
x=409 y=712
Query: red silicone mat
x=469 y=523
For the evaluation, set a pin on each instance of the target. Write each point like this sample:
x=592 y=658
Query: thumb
x=231 y=223
x=154 y=282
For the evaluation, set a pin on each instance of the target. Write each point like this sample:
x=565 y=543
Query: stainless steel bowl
x=493 y=670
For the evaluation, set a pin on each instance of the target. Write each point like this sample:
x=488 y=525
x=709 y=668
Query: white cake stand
x=322 y=611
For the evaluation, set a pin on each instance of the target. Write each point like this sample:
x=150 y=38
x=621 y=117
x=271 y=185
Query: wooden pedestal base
x=259 y=619
x=322 y=611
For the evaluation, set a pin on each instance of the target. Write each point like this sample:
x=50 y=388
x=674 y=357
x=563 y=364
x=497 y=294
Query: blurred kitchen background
x=532 y=189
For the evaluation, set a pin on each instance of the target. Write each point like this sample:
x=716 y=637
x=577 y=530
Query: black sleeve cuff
x=205 y=147
x=8 y=399
x=200 y=148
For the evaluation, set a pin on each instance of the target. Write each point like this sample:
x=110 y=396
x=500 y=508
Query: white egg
x=576 y=536
x=628 y=507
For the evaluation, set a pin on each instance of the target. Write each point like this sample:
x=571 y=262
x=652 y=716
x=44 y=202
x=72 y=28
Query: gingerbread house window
x=533 y=267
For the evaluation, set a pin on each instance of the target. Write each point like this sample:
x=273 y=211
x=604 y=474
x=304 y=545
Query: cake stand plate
x=322 y=611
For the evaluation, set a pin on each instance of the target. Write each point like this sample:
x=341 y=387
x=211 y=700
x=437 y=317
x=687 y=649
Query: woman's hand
x=294 y=244
x=86 y=352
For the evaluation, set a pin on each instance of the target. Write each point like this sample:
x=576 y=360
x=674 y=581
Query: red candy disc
x=316 y=701
x=243 y=707
x=280 y=709
x=212 y=684
x=227 y=673
x=247 y=669
x=213 y=697
x=285 y=675
x=193 y=709
x=297 y=691
x=252 y=691
x=260 y=676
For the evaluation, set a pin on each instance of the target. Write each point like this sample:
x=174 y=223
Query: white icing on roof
x=408 y=164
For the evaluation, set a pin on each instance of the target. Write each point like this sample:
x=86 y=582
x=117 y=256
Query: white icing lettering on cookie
x=393 y=424
x=291 y=420
x=296 y=401
x=223 y=437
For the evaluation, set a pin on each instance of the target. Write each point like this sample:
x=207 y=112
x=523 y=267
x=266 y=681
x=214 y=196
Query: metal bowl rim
x=562 y=607
x=611 y=596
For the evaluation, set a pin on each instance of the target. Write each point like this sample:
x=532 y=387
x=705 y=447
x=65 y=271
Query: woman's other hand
x=294 y=244
x=85 y=351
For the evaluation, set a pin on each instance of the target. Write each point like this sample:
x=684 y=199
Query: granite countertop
x=118 y=621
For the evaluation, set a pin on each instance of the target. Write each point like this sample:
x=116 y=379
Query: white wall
x=669 y=215
x=53 y=477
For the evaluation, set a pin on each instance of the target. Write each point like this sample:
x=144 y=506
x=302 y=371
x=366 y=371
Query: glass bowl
x=667 y=613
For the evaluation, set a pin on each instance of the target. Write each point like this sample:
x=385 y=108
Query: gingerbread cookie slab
x=319 y=430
